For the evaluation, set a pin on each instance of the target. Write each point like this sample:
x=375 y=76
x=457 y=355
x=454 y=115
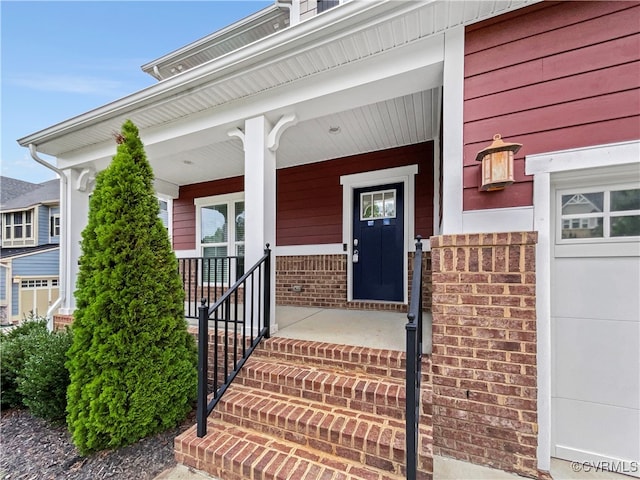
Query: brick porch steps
x=308 y=410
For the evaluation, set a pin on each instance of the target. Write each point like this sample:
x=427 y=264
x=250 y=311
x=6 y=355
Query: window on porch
x=222 y=236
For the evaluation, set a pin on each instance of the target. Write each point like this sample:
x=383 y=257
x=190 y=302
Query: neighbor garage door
x=37 y=295
x=595 y=321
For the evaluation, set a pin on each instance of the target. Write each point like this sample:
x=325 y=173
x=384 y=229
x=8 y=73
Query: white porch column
x=452 y=123
x=260 y=198
x=259 y=189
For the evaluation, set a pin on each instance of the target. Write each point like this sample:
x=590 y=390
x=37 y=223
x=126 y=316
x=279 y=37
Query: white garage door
x=595 y=322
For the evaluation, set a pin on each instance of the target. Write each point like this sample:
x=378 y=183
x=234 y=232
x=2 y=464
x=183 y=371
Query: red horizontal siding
x=540 y=18
x=583 y=86
x=309 y=199
x=310 y=196
x=556 y=76
x=601 y=28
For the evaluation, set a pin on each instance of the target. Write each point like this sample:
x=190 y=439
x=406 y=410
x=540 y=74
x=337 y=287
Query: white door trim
x=406 y=176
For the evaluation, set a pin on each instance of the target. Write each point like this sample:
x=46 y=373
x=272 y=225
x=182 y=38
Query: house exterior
x=29 y=256
x=352 y=127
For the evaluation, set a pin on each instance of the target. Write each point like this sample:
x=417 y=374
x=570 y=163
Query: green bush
x=15 y=348
x=132 y=363
x=44 y=379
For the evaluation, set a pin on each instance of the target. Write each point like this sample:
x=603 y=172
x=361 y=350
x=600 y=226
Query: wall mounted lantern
x=497 y=164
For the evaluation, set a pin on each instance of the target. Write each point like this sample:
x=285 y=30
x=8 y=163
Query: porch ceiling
x=400 y=121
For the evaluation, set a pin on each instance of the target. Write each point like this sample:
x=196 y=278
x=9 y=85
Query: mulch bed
x=33 y=449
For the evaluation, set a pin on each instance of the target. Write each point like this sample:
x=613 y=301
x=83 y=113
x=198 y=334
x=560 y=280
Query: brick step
x=357 y=391
x=373 y=361
x=326 y=406
x=236 y=453
x=373 y=440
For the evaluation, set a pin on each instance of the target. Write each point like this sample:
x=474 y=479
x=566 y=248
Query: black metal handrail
x=207 y=277
x=414 y=362
x=229 y=318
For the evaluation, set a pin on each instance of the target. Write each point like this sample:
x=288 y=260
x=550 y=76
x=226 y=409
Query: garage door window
x=599 y=215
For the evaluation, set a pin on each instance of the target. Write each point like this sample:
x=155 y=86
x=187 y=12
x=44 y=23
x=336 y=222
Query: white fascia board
x=323 y=28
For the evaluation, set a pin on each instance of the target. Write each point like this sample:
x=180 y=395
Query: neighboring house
x=337 y=136
x=29 y=254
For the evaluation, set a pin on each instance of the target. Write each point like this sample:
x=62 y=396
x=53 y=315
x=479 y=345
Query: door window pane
x=376 y=205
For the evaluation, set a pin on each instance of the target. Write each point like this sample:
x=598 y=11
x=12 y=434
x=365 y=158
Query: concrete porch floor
x=366 y=328
x=374 y=329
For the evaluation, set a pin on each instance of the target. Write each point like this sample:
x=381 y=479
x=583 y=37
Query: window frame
x=169 y=201
x=22 y=241
x=230 y=200
x=54 y=225
x=606 y=214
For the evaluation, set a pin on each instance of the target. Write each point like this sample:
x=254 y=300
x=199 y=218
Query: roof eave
x=249 y=54
x=237 y=28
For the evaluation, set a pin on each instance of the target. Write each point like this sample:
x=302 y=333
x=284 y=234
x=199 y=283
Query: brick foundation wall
x=60 y=321
x=322 y=280
x=484 y=350
x=323 y=283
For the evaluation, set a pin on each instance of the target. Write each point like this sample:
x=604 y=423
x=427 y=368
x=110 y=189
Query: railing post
x=267 y=292
x=413 y=364
x=203 y=340
x=412 y=431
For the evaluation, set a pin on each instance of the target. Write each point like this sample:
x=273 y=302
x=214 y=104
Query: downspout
x=63 y=237
x=294 y=10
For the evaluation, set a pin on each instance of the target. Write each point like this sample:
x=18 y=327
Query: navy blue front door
x=378 y=243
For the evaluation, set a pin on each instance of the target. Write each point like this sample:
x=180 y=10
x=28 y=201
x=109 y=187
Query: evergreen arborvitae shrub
x=132 y=364
x=44 y=378
x=15 y=348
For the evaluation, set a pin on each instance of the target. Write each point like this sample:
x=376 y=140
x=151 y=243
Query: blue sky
x=61 y=59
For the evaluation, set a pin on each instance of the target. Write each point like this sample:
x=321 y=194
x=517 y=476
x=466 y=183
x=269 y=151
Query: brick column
x=484 y=350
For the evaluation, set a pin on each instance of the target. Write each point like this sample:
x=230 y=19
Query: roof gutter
x=64 y=235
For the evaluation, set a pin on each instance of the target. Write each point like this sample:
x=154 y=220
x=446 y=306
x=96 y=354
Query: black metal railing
x=208 y=278
x=237 y=321
x=414 y=362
